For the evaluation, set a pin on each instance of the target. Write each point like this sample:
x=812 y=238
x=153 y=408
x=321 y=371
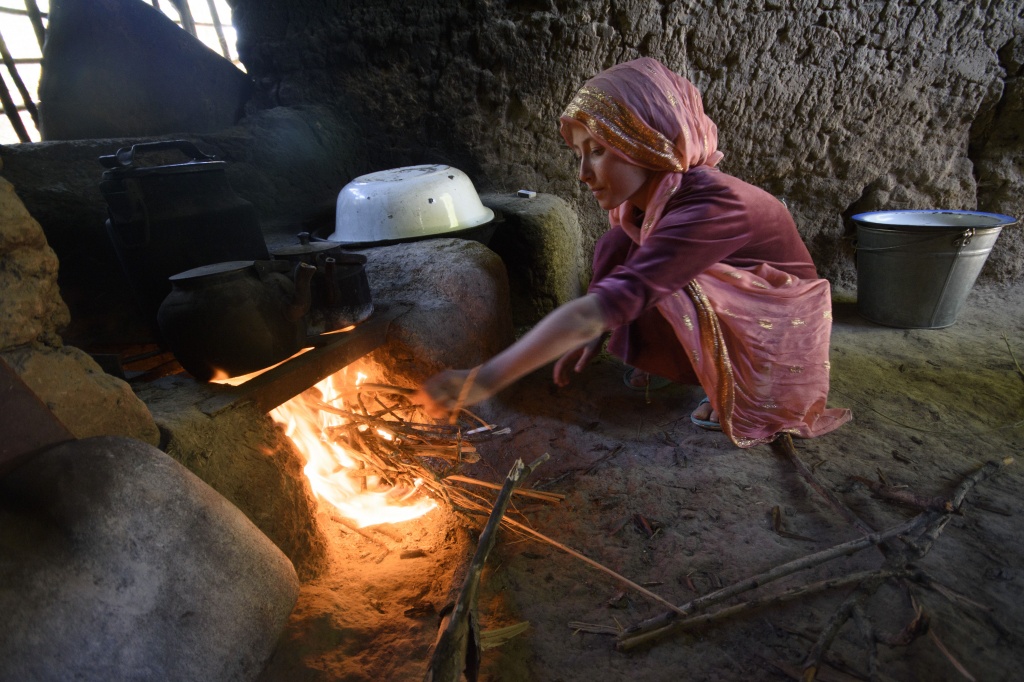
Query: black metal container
x=167 y=219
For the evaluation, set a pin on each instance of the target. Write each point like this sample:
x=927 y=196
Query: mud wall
x=839 y=106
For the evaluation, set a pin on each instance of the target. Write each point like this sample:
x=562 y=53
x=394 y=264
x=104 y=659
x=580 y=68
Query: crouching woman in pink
x=701 y=278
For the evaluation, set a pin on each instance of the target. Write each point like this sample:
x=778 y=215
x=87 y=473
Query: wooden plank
x=291 y=378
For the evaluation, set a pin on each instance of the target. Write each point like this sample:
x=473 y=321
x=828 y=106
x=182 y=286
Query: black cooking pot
x=340 y=291
x=229 y=319
x=167 y=219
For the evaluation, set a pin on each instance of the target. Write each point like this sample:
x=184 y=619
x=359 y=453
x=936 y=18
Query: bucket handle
x=125 y=156
x=961 y=240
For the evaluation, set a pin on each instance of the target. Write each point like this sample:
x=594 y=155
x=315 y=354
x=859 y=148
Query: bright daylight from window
x=22 y=55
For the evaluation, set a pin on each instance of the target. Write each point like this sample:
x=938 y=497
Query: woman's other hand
x=576 y=359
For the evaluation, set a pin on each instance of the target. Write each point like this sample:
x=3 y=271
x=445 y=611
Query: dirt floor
x=682 y=513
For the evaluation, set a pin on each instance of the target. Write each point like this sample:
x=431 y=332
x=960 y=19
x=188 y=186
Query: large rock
x=459 y=316
x=245 y=457
x=31 y=307
x=114 y=68
x=119 y=564
x=540 y=242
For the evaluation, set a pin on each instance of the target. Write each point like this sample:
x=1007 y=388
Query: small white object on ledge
x=526 y=193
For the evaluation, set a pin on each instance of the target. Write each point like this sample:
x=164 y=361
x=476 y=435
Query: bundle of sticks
x=406 y=452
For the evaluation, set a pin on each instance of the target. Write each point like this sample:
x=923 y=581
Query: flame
x=334 y=473
x=222 y=377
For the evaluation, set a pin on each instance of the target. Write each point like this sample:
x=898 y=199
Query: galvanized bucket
x=916 y=268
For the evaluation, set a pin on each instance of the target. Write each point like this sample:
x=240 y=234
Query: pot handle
x=125 y=156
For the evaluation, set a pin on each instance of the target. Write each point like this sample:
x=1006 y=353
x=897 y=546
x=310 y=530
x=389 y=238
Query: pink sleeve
x=684 y=244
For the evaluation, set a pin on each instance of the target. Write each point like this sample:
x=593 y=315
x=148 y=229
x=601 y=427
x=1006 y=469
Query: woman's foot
x=639 y=380
x=705 y=416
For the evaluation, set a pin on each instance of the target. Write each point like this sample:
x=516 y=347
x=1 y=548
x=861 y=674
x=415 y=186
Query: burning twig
x=458 y=643
x=467 y=386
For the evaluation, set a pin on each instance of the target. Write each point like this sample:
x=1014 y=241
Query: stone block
x=541 y=244
x=86 y=400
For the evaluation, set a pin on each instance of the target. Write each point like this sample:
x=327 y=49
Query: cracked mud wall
x=836 y=105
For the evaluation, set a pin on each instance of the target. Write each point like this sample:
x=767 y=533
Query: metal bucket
x=916 y=268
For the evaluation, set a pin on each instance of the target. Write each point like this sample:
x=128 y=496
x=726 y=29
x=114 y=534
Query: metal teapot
x=233 y=318
x=340 y=289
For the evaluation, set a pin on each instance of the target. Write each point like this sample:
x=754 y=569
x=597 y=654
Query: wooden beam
x=290 y=378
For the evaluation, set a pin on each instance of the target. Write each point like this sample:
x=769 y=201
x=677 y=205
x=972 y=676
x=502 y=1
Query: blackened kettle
x=234 y=318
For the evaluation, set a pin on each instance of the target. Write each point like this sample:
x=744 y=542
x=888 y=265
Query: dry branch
x=526 y=492
x=771 y=575
x=904 y=496
x=930 y=523
x=458 y=644
x=913 y=551
x=784 y=445
x=627 y=642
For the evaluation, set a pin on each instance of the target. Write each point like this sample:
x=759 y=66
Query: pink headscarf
x=651 y=117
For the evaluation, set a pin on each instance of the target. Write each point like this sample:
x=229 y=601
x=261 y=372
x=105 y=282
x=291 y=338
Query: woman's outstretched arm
x=565 y=329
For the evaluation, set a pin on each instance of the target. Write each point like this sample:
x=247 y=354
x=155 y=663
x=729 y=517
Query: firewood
x=904 y=496
x=781 y=571
x=526 y=492
x=457 y=649
x=627 y=642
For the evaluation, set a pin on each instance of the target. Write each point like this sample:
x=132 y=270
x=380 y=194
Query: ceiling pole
x=220 y=29
x=30 y=105
x=36 y=17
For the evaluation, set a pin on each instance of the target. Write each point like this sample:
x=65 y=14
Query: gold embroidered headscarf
x=650 y=116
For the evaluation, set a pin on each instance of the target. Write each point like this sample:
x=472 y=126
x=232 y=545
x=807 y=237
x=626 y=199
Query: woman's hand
x=441 y=393
x=573 y=327
x=577 y=359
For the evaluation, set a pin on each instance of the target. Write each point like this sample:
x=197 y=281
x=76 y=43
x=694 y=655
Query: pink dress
x=717 y=222
x=713 y=218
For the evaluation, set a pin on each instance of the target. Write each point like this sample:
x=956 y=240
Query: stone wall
x=839 y=106
x=81 y=396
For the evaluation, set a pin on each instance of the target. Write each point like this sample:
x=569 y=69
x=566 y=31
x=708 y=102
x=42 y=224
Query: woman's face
x=611 y=179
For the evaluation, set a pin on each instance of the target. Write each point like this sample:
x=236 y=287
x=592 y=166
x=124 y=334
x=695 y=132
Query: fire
x=334 y=473
x=222 y=377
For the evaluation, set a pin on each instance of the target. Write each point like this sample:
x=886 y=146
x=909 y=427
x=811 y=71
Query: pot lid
x=305 y=247
x=226 y=267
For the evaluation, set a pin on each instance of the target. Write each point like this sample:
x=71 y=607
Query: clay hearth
x=443 y=303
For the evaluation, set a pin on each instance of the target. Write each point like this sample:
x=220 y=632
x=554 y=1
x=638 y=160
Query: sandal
x=706 y=424
x=654 y=382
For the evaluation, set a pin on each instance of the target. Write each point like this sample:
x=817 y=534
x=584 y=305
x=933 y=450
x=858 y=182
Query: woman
x=701 y=277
